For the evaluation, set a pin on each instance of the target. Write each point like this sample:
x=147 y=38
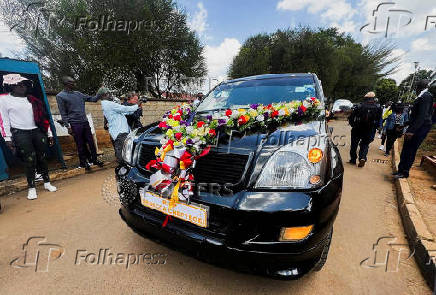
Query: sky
x=224 y=25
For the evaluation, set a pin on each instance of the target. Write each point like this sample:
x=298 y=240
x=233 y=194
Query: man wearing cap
x=27 y=129
x=364 y=120
x=71 y=106
x=420 y=123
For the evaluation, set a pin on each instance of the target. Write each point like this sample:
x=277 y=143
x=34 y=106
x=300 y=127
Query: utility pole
x=413 y=79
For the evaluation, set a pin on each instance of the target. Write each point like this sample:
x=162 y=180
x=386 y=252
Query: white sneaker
x=382 y=148
x=31 y=194
x=50 y=187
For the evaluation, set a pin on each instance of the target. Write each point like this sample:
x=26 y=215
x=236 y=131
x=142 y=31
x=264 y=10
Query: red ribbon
x=167 y=219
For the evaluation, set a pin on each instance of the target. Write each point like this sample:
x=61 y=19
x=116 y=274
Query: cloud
x=345 y=27
x=10 y=41
x=330 y=10
x=423 y=44
x=220 y=57
x=199 y=20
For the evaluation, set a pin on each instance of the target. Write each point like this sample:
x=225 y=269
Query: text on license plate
x=191 y=213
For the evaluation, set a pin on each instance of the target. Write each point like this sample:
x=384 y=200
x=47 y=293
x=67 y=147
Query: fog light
x=295 y=233
x=314 y=179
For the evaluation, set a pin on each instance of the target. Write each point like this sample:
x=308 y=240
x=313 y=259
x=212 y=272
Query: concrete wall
x=152 y=111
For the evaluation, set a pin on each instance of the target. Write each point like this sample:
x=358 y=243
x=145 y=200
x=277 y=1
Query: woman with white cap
x=26 y=125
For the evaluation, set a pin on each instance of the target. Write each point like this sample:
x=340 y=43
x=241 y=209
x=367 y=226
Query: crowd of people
x=25 y=125
x=394 y=121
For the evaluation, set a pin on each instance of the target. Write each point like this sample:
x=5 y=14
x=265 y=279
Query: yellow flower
x=252 y=113
x=241 y=111
x=169 y=133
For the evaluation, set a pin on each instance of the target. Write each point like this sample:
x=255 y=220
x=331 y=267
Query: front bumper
x=243 y=231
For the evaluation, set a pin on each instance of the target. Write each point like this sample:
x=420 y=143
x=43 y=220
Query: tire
x=323 y=259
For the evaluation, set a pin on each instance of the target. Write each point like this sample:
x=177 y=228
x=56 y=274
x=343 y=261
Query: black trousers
x=391 y=137
x=362 y=139
x=84 y=142
x=118 y=146
x=410 y=147
x=32 y=147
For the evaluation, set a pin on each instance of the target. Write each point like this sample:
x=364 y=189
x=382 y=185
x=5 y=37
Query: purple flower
x=300 y=112
x=183 y=122
x=254 y=106
x=266 y=115
x=209 y=117
x=221 y=122
x=189 y=141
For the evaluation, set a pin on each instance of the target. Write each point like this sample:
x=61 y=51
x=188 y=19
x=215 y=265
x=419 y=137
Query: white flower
x=260 y=118
x=307 y=104
x=282 y=112
x=189 y=129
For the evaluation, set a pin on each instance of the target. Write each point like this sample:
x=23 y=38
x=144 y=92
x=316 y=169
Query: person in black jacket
x=364 y=120
x=420 y=123
x=134 y=120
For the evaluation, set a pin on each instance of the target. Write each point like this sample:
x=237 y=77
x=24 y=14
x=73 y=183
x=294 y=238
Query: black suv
x=270 y=209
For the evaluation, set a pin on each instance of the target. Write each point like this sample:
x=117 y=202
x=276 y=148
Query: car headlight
x=293 y=167
x=127 y=153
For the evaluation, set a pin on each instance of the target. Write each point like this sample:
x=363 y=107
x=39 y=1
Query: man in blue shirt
x=115 y=115
x=71 y=106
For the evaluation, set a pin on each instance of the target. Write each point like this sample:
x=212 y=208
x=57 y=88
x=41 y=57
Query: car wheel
x=323 y=259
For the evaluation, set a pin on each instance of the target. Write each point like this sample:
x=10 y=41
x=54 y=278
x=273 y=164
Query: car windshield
x=241 y=94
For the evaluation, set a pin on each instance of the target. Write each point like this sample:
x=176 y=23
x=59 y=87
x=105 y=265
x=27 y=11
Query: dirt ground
x=77 y=219
x=421 y=181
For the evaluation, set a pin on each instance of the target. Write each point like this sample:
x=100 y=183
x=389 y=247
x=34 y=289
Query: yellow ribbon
x=175 y=195
x=165 y=150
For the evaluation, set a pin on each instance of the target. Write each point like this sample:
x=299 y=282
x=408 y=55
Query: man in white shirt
x=26 y=127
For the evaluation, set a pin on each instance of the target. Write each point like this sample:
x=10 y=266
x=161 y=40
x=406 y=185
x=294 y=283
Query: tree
x=407 y=89
x=386 y=90
x=89 y=39
x=347 y=69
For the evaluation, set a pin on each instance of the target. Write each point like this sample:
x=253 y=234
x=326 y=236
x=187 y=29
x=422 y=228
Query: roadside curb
x=418 y=235
x=57 y=175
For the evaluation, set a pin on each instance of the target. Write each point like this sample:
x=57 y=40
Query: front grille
x=221 y=168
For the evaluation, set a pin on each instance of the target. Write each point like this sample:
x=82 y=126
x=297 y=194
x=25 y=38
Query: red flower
x=229 y=113
x=303 y=108
x=180 y=111
x=177 y=117
x=313 y=98
x=178 y=136
x=212 y=132
x=274 y=114
x=170 y=116
x=200 y=124
x=269 y=106
x=163 y=124
x=242 y=120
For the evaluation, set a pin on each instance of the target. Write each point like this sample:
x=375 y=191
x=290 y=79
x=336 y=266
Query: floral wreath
x=186 y=139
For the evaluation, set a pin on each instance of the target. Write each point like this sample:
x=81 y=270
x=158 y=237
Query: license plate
x=193 y=213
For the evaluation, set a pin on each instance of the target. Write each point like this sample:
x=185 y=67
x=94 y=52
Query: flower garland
x=186 y=139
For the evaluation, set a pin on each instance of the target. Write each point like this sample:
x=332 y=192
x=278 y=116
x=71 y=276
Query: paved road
x=77 y=218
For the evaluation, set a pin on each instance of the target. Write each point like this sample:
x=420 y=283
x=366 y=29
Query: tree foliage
x=63 y=40
x=406 y=84
x=347 y=69
x=386 y=90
